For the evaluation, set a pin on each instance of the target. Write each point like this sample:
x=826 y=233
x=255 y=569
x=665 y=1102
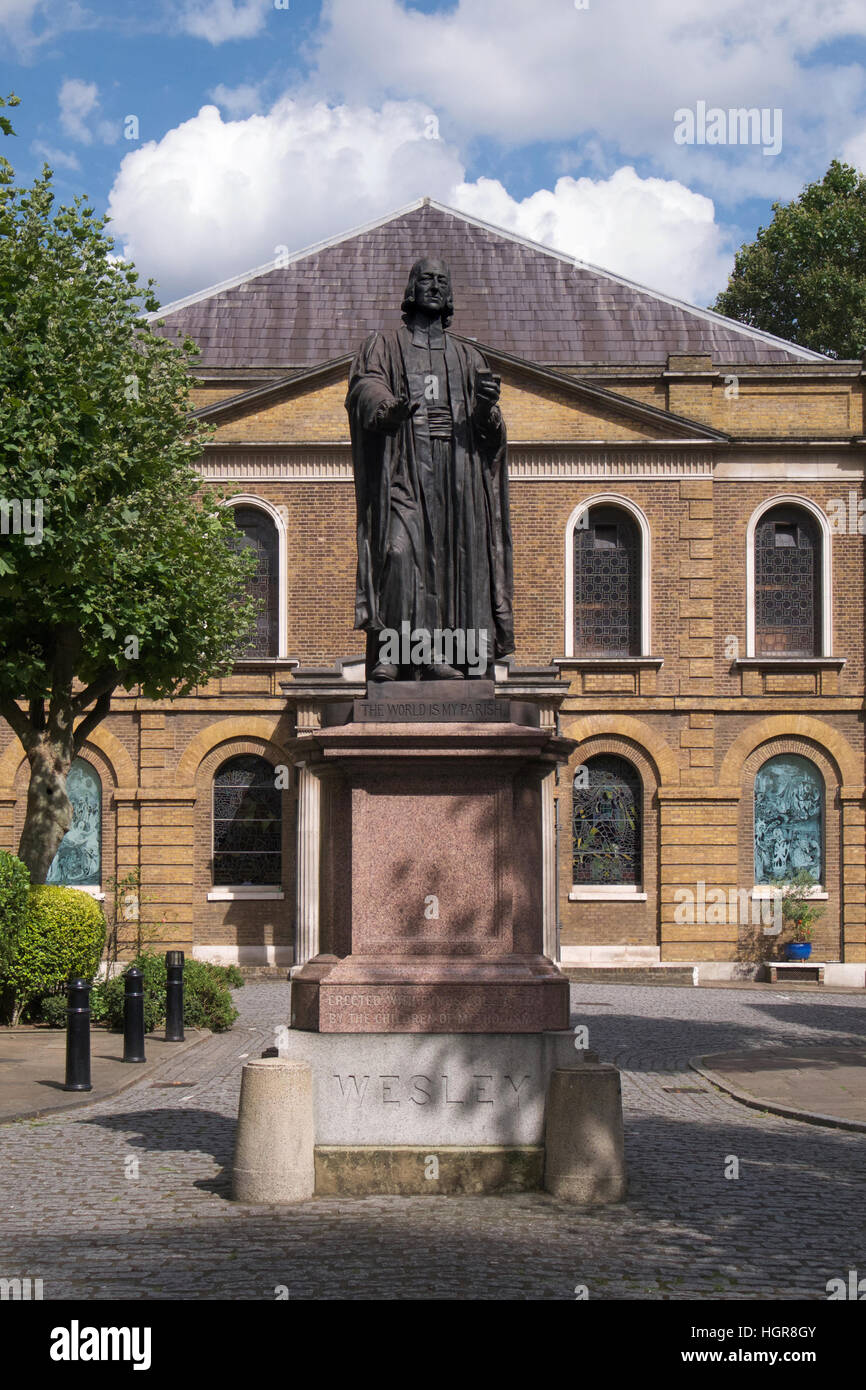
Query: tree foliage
x=804 y=276
x=114 y=570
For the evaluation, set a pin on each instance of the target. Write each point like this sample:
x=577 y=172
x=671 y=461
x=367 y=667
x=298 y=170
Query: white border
x=789 y=499
x=609 y=499
x=245 y=499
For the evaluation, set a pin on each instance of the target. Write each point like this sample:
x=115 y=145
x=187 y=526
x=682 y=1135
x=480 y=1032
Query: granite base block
x=451 y=1089
x=427 y=1171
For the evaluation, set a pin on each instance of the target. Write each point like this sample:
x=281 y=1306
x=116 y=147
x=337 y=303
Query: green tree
x=804 y=276
x=115 y=571
x=5 y=123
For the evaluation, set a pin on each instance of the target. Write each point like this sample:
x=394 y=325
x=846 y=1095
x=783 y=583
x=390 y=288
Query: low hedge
x=207 y=1001
x=63 y=934
x=14 y=893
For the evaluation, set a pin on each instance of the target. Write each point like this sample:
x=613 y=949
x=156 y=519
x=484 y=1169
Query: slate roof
x=514 y=294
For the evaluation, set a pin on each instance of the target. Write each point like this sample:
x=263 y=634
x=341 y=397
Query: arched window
x=78 y=861
x=258 y=532
x=787 y=583
x=247 y=823
x=606 y=821
x=607 y=586
x=789 y=819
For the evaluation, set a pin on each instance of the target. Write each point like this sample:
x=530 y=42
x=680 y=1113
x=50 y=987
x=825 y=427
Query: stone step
x=264 y=972
x=630 y=974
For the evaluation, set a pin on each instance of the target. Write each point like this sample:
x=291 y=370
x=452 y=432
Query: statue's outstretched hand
x=390 y=416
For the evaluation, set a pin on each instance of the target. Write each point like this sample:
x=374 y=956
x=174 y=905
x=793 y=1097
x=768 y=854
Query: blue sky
x=265 y=125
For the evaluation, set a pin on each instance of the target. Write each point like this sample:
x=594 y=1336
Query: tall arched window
x=78 y=861
x=787 y=583
x=247 y=823
x=606 y=821
x=789 y=819
x=607 y=584
x=258 y=532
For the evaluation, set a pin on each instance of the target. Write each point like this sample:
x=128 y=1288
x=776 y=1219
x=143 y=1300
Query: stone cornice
x=528 y=462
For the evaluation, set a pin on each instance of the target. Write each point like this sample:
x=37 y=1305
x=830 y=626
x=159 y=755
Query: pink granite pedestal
x=431 y=881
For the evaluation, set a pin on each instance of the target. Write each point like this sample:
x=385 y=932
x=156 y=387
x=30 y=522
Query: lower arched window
x=247 y=823
x=789 y=819
x=78 y=861
x=606 y=822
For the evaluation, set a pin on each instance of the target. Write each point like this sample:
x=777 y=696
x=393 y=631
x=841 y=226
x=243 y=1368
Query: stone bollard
x=584 y=1158
x=274 y=1143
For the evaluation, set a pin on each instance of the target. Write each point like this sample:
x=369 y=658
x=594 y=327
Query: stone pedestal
x=431 y=904
x=405 y=1113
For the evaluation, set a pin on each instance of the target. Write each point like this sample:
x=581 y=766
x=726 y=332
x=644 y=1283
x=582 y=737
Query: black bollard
x=133 y=1016
x=78 y=1036
x=174 y=996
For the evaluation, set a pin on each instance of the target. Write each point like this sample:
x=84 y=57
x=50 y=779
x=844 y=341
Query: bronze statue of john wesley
x=431 y=485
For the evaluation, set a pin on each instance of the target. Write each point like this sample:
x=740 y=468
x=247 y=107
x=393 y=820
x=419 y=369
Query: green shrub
x=63 y=934
x=14 y=890
x=207 y=1002
x=53 y=1010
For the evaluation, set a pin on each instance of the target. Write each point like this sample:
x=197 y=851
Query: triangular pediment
x=539 y=405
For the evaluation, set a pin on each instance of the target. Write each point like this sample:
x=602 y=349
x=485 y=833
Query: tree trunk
x=49 y=810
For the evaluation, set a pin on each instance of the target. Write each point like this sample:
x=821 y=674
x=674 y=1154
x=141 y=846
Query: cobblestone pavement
x=75 y=1214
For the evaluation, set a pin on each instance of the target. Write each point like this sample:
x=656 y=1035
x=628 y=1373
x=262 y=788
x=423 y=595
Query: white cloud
x=519 y=73
x=214 y=198
x=26 y=24
x=79 y=107
x=220 y=20
x=243 y=100
x=77 y=100
x=655 y=231
x=854 y=151
x=58 y=159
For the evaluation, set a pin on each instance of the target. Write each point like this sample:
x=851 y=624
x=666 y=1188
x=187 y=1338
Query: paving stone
x=75 y=1216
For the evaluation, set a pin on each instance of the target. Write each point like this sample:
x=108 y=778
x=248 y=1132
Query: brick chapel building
x=686 y=496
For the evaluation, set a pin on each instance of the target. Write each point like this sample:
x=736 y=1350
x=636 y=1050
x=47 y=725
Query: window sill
x=606 y=893
x=96 y=893
x=787 y=663
x=244 y=893
x=766 y=890
x=625 y=663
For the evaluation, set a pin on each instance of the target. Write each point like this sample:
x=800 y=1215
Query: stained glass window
x=787 y=584
x=606 y=822
x=258 y=532
x=78 y=861
x=789 y=819
x=607 y=584
x=247 y=823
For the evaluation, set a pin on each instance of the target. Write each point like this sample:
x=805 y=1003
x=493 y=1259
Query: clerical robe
x=434 y=535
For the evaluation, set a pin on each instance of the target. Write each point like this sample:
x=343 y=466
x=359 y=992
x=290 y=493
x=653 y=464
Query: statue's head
x=428 y=290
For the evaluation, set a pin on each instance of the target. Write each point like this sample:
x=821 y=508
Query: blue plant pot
x=798 y=950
